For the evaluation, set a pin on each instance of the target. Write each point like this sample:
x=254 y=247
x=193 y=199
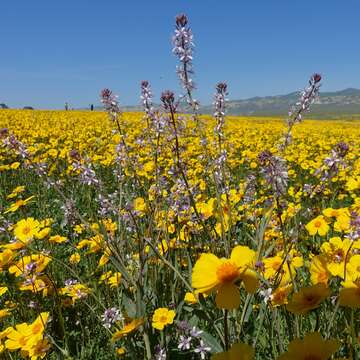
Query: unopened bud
x=221 y=87
x=181 y=20
x=317 y=78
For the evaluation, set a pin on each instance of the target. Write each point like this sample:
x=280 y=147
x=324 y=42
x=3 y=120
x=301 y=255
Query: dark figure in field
x=92 y=107
x=66 y=106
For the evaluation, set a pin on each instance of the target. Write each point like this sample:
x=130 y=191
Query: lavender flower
x=111 y=316
x=202 y=349
x=274 y=171
x=12 y=143
x=183 y=49
x=160 y=353
x=250 y=188
x=168 y=100
x=266 y=294
x=4 y=132
x=354 y=232
x=146 y=97
x=70 y=282
x=194 y=332
x=183 y=326
x=219 y=114
x=30 y=267
x=333 y=162
x=74 y=154
x=110 y=102
x=106 y=206
x=33 y=305
x=185 y=342
x=70 y=213
x=307 y=97
x=219 y=105
x=87 y=174
x=179 y=197
x=5 y=225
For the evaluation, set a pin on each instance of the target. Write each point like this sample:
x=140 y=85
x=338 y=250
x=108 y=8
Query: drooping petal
x=241 y=351
x=228 y=297
x=251 y=282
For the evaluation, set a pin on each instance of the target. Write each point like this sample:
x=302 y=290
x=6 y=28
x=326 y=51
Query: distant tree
x=28 y=108
x=3 y=106
x=92 y=107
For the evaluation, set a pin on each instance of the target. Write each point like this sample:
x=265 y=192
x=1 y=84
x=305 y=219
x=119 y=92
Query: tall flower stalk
x=169 y=105
x=183 y=49
x=307 y=97
x=274 y=169
x=219 y=163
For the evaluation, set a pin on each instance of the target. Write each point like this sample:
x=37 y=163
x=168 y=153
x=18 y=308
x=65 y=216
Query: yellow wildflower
x=74 y=258
x=350 y=294
x=308 y=298
x=318 y=270
x=128 y=328
x=238 y=351
x=318 y=225
x=57 y=239
x=312 y=347
x=18 y=204
x=213 y=274
x=335 y=252
x=162 y=317
x=35 y=263
x=16 y=192
x=26 y=229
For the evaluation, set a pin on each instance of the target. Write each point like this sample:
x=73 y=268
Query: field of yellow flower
x=182 y=239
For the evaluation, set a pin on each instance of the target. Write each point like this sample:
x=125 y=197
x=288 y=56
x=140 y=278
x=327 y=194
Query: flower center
x=22 y=340
x=26 y=230
x=338 y=256
x=276 y=265
x=317 y=223
x=37 y=329
x=227 y=272
x=311 y=299
x=163 y=319
x=279 y=297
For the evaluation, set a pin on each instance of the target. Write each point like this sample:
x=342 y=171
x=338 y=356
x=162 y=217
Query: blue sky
x=68 y=50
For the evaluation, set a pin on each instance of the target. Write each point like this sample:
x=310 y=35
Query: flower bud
x=181 y=20
x=316 y=78
x=167 y=98
x=221 y=87
x=74 y=154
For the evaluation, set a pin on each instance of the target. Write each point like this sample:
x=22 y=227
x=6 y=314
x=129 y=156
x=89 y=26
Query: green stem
x=226 y=330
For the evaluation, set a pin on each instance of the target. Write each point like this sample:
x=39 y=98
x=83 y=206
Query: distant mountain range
x=339 y=102
x=344 y=103
x=329 y=104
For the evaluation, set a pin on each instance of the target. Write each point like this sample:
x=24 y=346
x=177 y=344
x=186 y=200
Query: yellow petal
x=204 y=276
x=251 y=282
x=228 y=297
x=242 y=256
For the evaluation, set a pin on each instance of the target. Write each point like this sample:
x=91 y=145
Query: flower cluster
x=183 y=49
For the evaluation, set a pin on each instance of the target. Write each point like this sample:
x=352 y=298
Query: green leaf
x=130 y=306
x=212 y=342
